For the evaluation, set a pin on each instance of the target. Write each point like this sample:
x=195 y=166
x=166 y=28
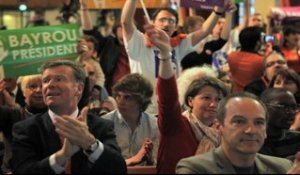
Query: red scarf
x=175 y=41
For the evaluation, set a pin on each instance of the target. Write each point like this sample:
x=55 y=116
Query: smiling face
x=244 y=128
x=60 y=90
x=33 y=93
x=204 y=104
x=166 y=21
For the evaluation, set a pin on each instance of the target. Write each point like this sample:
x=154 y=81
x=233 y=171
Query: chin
x=249 y=151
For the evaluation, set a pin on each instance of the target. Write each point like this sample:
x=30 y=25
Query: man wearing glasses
x=271 y=64
x=282 y=107
x=144 y=56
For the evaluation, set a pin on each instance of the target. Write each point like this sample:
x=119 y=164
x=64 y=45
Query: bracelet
x=218 y=13
x=165 y=59
x=85 y=9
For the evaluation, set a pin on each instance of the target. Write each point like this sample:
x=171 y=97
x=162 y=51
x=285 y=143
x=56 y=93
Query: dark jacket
x=35 y=139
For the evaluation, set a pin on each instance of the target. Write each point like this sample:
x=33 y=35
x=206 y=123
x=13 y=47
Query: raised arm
x=161 y=40
x=210 y=22
x=85 y=17
x=228 y=21
x=127 y=18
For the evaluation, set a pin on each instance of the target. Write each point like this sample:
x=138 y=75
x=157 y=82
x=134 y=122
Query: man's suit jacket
x=215 y=162
x=35 y=139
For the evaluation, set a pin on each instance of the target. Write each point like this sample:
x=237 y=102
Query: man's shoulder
x=150 y=116
x=34 y=122
x=199 y=164
x=34 y=118
x=275 y=162
x=202 y=159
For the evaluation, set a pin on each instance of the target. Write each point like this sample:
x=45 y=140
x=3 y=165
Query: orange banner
x=118 y=4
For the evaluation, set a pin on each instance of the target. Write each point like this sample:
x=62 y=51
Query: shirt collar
x=53 y=115
x=122 y=120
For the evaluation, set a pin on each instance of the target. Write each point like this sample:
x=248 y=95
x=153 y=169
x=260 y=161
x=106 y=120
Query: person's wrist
x=165 y=54
x=218 y=13
x=92 y=147
x=218 y=10
x=60 y=157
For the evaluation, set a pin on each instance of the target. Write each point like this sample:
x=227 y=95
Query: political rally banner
x=23 y=51
x=201 y=4
x=118 y=4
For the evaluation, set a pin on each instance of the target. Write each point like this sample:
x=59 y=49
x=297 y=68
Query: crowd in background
x=166 y=93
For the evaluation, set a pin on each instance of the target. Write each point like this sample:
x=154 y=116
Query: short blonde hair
x=191 y=74
x=25 y=79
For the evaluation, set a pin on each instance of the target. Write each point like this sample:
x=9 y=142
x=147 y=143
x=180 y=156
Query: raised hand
x=230 y=7
x=75 y=130
x=144 y=154
x=158 y=37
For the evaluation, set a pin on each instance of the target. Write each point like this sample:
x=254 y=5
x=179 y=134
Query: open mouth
x=52 y=94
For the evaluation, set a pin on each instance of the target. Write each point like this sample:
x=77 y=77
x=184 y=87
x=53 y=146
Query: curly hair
x=137 y=85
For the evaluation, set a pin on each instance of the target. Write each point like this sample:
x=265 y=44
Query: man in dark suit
x=243 y=119
x=62 y=140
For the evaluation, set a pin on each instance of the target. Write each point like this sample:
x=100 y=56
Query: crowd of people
x=210 y=99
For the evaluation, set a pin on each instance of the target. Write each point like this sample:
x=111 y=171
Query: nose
x=214 y=103
x=250 y=128
x=38 y=89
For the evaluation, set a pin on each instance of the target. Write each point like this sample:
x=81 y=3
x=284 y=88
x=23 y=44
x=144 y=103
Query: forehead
x=244 y=106
x=165 y=14
x=209 y=89
x=274 y=57
x=58 y=70
x=221 y=21
x=285 y=97
x=256 y=17
x=33 y=80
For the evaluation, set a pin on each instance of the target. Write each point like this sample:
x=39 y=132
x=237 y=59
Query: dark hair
x=288 y=30
x=78 y=71
x=170 y=10
x=288 y=74
x=249 y=37
x=199 y=84
x=139 y=86
x=92 y=39
x=268 y=95
x=221 y=110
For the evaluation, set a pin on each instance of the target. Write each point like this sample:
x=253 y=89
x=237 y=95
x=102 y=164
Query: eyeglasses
x=169 y=20
x=285 y=107
x=272 y=63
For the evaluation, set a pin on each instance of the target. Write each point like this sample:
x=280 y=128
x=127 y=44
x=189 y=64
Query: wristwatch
x=92 y=147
